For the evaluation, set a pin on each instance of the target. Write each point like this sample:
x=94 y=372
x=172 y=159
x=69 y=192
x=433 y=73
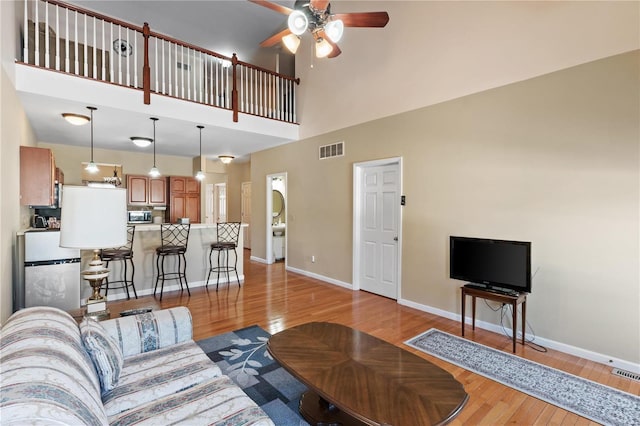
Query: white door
x=379 y=199
x=221 y=202
x=246 y=213
x=209 y=205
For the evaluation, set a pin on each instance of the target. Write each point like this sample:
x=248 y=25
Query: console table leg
x=514 y=320
x=464 y=296
x=473 y=312
x=524 y=319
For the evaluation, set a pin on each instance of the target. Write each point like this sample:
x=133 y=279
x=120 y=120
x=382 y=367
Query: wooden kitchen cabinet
x=184 y=199
x=37 y=176
x=146 y=191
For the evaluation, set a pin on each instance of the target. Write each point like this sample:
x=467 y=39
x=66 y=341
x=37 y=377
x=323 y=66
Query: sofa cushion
x=154 y=330
x=46 y=375
x=156 y=374
x=104 y=352
x=217 y=401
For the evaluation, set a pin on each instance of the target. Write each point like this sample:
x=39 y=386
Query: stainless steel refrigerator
x=51 y=273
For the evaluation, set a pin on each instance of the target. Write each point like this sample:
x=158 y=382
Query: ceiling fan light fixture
x=76 y=119
x=140 y=141
x=226 y=159
x=291 y=42
x=334 y=30
x=297 y=22
x=323 y=48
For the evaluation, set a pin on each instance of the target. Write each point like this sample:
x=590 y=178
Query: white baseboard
x=194 y=284
x=552 y=344
x=320 y=277
x=258 y=259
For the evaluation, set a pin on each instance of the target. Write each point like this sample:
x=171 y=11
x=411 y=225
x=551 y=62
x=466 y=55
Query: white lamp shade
x=291 y=42
x=93 y=218
x=334 y=30
x=323 y=48
x=297 y=22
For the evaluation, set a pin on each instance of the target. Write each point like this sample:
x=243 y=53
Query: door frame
x=269 y=219
x=358 y=172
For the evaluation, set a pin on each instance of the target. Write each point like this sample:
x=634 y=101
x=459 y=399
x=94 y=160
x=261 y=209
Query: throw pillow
x=105 y=353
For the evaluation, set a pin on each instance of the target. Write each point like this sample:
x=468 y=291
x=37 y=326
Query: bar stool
x=122 y=254
x=174 y=243
x=227 y=234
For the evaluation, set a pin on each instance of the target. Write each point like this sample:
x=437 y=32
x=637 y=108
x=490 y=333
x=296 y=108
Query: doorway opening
x=276 y=218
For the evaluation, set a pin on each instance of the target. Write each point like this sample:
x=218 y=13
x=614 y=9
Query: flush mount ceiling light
x=154 y=172
x=315 y=17
x=140 y=141
x=200 y=174
x=76 y=119
x=91 y=167
x=226 y=159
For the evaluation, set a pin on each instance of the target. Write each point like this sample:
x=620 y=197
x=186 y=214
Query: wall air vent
x=332 y=150
x=627 y=374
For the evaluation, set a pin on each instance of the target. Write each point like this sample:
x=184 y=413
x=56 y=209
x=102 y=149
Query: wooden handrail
x=95 y=15
x=256 y=67
x=188 y=45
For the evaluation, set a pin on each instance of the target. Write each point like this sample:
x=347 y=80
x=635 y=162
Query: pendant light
x=91 y=167
x=200 y=174
x=154 y=172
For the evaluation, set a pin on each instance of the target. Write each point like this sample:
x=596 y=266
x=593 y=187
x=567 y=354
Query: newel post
x=146 y=71
x=234 y=91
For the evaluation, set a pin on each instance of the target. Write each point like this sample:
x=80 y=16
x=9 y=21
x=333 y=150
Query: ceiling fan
x=316 y=17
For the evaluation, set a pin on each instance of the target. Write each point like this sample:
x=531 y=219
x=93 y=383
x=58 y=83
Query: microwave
x=139 y=216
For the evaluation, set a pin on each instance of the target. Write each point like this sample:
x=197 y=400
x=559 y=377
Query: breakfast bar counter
x=145 y=242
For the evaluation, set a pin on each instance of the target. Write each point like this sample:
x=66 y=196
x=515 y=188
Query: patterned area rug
x=242 y=355
x=586 y=398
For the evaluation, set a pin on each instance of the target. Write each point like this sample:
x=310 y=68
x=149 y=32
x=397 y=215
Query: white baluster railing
x=69 y=39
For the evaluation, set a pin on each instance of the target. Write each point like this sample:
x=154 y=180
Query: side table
x=118 y=306
x=513 y=300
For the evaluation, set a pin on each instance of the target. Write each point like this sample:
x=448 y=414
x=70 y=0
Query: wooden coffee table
x=357 y=379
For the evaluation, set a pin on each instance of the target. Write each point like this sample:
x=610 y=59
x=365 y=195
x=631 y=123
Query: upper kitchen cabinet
x=146 y=191
x=184 y=199
x=37 y=176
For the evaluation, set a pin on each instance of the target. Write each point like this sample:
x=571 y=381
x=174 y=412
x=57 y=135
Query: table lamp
x=93 y=219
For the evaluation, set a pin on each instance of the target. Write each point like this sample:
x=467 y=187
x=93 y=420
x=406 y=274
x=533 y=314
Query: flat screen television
x=495 y=264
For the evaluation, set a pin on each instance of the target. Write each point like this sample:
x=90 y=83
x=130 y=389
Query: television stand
x=512 y=299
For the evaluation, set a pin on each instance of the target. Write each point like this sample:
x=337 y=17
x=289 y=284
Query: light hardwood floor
x=276 y=299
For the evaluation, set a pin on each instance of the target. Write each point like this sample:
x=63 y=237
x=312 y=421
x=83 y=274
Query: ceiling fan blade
x=319 y=5
x=363 y=19
x=276 y=38
x=273 y=6
x=336 y=50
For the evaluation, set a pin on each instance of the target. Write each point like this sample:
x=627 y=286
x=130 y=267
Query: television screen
x=494 y=263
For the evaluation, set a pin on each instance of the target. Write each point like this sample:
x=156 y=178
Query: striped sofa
x=142 y=369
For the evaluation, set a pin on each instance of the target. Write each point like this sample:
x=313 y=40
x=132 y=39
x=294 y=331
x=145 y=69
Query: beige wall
x=14 y=131
x=237 y=173
x=552 y=160
x=433 y=51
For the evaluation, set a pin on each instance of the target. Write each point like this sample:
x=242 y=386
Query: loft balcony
x=73 y=55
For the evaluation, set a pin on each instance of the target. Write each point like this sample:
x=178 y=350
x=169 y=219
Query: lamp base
x=96 y=306
x=99 y=315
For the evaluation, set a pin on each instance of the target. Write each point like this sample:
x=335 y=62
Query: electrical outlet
x=313 y=259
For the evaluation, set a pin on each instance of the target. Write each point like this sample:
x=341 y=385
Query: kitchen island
x=145 y=242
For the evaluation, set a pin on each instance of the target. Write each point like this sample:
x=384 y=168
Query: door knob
x=395 y=238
